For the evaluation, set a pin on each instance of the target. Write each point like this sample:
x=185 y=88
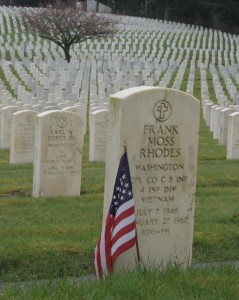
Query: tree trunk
x=166 y=13
x=146 y=8
x=66 y=50
x=97 y=6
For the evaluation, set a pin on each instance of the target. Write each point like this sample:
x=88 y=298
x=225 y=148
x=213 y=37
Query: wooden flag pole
x=137 y=244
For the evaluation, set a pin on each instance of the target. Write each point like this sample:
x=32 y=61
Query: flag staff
x=125 y=146
x=137 y=244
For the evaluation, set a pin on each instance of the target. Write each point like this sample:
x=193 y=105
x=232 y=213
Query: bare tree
x=65 y=24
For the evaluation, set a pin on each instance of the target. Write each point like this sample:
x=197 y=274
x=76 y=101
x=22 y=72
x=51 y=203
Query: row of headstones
x=164 y=82
x=222 y=118
x=223 y=122
x=7 y=130
x=223 y=40
x=191 y=33
x=147 y=78
x=161 y=145
x=219 y=53
x=17 y=131
x=40 y=85
x=231 y=84
x=145 y=73
x=152 y=50
x=98 y=78
x=53 y=141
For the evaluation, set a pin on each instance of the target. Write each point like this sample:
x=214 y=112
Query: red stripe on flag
x=122 y=249
x=123 y=215
x=123 y=232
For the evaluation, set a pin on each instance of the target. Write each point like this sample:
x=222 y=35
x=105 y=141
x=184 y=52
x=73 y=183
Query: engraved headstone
x=160 y=128
x=22 y=136
x=233 y=136
x=224 y=125
x=6 y=122
x=78 y=110
x=98 y=135
x=58 y=154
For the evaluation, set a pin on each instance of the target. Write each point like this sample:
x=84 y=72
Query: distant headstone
x=160 y=128
x=22 y=137
x=233 y=136
x=98 y=135
x=6 y=122
x=224 y=125
x=236 y=98
x=58 y=155
x=78 y=110
x=207 y=112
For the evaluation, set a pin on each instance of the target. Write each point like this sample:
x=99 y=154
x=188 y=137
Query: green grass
x=170 y=284
x=47 y=237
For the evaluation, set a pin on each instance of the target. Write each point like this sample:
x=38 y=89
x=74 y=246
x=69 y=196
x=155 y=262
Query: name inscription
x=161 y=182
x=61 y=159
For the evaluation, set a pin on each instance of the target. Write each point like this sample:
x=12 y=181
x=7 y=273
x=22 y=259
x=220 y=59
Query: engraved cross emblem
x=162 y=110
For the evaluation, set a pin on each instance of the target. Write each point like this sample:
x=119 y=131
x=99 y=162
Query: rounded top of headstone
x=141 y=89
x=234 y=114
x=45 y=113
x=23 y=111
x=99 y=111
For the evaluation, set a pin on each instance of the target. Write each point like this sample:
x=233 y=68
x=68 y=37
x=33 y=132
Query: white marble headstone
x=6 y=123
x=160 y=128
x=233 y=136
x=58 y=155
x=98 y=135
x=22 y=136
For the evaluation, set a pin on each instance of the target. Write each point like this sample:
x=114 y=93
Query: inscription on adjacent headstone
x=6 y=123
x=57 y=164
x=233 y=136
x=22 y=136
x=160 y=128
x=98 y=135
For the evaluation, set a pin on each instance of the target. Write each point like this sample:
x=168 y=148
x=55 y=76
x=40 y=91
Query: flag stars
x=129 y=193
x=124 y=191
x=126 y=185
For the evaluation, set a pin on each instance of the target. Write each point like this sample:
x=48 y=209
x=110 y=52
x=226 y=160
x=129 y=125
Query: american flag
x=119 y=232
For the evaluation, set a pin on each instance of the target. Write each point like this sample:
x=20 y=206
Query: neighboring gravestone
x=98 y=135
x=78 y=110
x=6 y=122
x=224 y=125
x=22 y=137
x=233 y=136
x=58 y=154
x=160 y=129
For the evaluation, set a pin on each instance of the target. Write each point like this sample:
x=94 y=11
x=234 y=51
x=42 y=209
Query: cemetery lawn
x=47 y=244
